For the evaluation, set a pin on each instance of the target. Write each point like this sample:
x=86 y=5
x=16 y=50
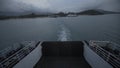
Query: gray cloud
x=57 y=5
x=13 y=6
x=112 y=5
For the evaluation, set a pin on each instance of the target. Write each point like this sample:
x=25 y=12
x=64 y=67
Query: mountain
x=13 y=13
x=96 y=12
x=6 y=15
x=21 y=13
x=107 y=12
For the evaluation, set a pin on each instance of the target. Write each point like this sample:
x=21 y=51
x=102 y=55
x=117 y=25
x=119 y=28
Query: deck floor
x=62 y=62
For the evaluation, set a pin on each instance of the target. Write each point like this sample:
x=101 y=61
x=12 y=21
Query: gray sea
x=100 y=27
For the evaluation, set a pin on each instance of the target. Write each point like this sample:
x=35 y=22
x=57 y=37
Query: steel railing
x=16 y=57
x=107 y=56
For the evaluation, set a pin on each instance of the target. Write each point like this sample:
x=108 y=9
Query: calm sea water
x=103 y=27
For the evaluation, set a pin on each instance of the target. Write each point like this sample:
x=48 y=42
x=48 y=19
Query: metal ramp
x=62 y=55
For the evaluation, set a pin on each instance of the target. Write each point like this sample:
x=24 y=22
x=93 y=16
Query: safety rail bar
x=106 y=55
x=16 y=57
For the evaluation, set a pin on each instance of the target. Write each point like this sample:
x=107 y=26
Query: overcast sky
x=57 y=5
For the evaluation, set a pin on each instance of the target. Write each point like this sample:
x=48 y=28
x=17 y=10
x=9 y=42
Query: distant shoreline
x=60 y=14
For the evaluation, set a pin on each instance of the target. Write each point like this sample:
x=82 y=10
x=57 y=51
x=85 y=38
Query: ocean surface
x=100 y=27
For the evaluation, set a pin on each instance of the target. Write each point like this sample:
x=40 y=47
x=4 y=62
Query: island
x=60 y=14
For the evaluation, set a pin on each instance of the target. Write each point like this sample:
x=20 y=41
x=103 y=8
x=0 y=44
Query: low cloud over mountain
x=41 y=6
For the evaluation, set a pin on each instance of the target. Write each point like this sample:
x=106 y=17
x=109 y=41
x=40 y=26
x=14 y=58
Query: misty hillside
x=59 y=14
x=96 y=12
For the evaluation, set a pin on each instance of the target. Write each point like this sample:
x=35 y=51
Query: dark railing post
x=108 y=57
